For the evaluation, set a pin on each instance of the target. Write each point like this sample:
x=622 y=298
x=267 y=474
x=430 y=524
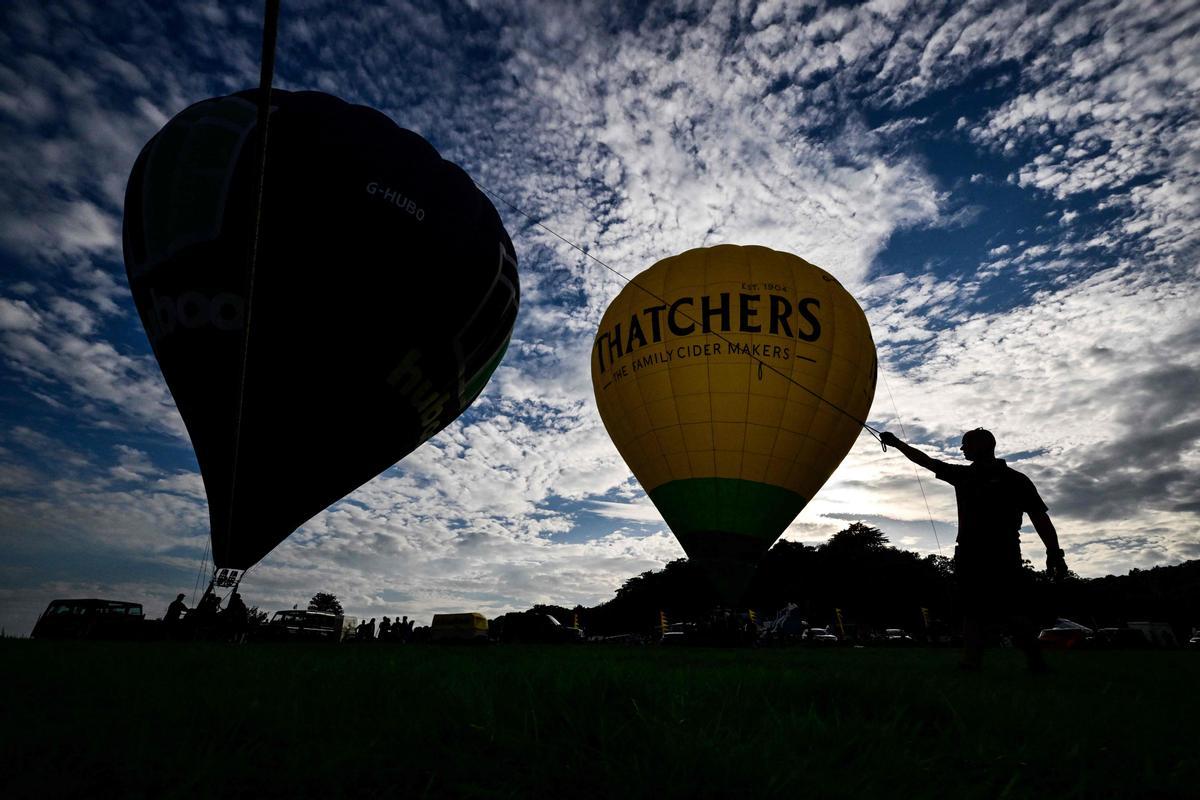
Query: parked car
x=1063 y=638
x=1065 y=635
x=820 y=636
x=895 y=636
x=538 y=627
x=1159 y=634
x=468 y=627
x=91 y=618
x=302 y=625
x=1120 y=638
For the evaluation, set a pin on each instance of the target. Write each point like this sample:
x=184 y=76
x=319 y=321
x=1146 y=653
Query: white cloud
x=643 y=511
x=1125 y=101
x=17 y=315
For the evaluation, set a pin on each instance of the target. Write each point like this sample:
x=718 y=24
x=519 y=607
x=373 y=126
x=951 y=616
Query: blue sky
x=1010 y=190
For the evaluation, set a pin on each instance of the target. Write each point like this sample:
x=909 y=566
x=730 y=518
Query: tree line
x=874 y=585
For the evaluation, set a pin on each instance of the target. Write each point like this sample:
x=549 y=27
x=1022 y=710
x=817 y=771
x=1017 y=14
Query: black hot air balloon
x=384 y=296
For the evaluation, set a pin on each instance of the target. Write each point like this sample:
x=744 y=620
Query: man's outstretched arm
x=911 y=453
x=1056 y=562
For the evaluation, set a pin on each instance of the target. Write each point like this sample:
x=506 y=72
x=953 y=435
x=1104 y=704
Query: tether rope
x=916 y=473
x=199 y=572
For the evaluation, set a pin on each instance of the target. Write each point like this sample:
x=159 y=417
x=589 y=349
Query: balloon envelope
x=384 y=296
x=729 y=449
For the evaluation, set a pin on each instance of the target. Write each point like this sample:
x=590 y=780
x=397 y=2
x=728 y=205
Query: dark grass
x=197 y=720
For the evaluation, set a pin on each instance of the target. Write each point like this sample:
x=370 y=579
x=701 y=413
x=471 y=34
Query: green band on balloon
x=726 y=517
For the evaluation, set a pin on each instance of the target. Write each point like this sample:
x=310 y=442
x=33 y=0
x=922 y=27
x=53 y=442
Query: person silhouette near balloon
x=992 y=499
x=209 y=605
x=176 y=610
x=235 y=613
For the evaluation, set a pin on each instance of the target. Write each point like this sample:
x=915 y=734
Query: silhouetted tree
x=324 y=601
x=858 y=537
x=942 y=566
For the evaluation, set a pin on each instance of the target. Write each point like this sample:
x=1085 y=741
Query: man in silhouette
x=176 y=610
x=235 y=610
x=233 y=618
x=209 y=603
x=992 y=498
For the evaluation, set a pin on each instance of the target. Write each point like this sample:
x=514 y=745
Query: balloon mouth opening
x=727 y=560
x=716 y=545
x=729 y=578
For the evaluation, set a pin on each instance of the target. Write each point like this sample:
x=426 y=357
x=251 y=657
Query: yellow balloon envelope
x=719 y=374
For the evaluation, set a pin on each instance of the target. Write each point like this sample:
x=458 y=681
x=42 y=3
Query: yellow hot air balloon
x=733 y=380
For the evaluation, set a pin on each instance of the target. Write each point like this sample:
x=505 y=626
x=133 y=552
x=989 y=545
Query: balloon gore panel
x=726 y=432
x=384 y=296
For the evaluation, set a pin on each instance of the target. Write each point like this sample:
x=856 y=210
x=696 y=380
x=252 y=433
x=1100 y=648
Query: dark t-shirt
x=992 y=498
x=175 y=610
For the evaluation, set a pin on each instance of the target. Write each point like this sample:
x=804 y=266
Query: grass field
x=202 y=720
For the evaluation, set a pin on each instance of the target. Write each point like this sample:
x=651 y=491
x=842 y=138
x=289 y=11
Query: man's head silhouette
x=978 y=445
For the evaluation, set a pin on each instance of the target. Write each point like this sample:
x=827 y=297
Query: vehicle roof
x=95 y=600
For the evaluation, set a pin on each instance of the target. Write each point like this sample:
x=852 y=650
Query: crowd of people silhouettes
x=400 y=630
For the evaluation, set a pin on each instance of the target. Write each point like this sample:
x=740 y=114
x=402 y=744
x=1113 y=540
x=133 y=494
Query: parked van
x=91 y=619
x=468 y=627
